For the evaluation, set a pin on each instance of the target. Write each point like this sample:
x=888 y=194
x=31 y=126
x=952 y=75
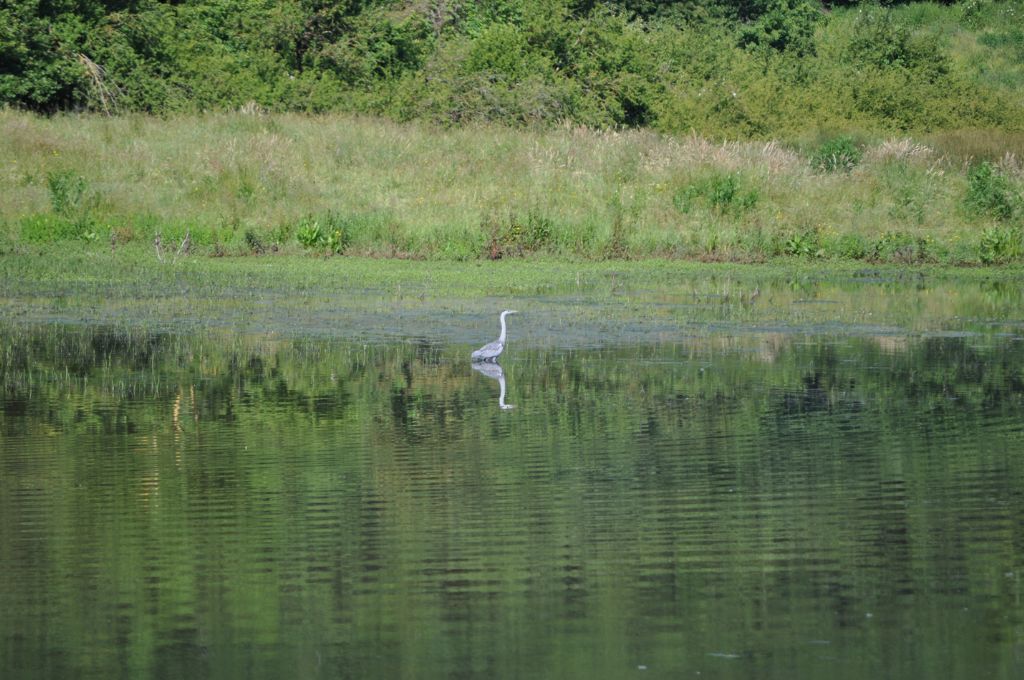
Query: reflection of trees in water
x=417 y=392
x=351 y=466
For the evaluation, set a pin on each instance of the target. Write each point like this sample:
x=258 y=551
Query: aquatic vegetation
x=360 y=297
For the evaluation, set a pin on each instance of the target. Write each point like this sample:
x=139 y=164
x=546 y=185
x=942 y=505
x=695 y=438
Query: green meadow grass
x=259 y=185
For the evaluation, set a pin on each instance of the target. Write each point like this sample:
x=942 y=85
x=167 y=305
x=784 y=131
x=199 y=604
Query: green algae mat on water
x=565 y=303
x=285 y=467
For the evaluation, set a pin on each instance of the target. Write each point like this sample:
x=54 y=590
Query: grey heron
x=493 y=350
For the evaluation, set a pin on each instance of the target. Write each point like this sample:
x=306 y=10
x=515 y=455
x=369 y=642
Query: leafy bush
x=71 y=217
x=839 y=154
x=378 y=46
x=902 y=248
x=66 y=192
x=756 y=68
x=254 y=243
x=990 y=192
x=47 y=228
x=879 y=40
x=851 y=246
x=784 y=26
x=804 y=244
x=310 y=234
x=515 y=236
x=1001 y=244
x=337 y=241
x=532 y=234
x=336 y=232
x=722 y=193
x=38 y=67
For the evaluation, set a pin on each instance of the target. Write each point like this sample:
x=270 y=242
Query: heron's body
x=492 y=350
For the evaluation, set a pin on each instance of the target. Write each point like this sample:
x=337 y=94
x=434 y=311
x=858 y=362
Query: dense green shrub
x=48 y=228
x=721 y=193
x=784 y=26
x=990 y=192
x=330 y=232
x=732 y=68
x=1001 y=244
x=66 y=192
x=804 y=244
x=900 y=247
x=39 y=42
x=515 y=236
x=254 y=243
x=878 y=40
x=310 y=234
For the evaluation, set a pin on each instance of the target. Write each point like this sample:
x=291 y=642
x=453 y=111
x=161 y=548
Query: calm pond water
x=769 y=504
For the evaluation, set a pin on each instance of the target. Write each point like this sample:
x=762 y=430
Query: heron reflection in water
x=493 y=370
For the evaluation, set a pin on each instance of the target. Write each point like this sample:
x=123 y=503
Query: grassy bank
x=260 y=185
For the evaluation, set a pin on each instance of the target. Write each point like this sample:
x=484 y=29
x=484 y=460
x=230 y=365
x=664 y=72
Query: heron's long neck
x=501 y=338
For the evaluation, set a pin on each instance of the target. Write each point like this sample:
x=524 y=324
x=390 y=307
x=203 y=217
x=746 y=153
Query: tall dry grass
x=419 y=190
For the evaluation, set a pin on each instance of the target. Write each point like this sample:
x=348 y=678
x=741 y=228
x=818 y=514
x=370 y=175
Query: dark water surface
x=771 y=505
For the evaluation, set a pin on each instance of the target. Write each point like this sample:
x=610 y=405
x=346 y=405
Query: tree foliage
x=730 y=67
